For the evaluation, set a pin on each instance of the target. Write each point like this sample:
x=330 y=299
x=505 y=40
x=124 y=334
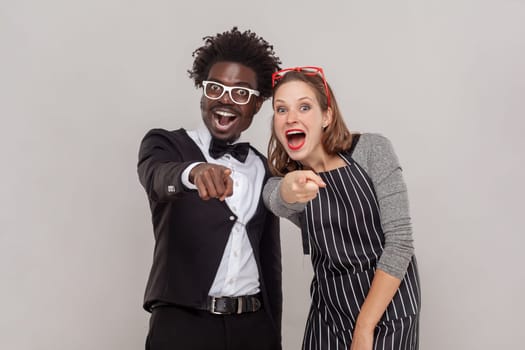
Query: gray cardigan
x=374 y=153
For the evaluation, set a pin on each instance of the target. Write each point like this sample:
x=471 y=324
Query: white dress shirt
x=237 y=273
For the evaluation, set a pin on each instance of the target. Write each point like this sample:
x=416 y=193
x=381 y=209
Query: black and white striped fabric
x=346 y=240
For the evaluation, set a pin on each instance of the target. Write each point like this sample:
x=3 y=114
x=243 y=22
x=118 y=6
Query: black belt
x=226 y=305
x=233 y=305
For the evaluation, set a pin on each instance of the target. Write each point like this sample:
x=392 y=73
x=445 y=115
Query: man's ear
x=258 y=104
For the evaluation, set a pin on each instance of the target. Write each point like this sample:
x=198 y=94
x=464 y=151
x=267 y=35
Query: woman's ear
x=327 y=118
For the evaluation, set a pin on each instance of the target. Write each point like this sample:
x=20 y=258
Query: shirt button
x=232 y=218
x=236 y=254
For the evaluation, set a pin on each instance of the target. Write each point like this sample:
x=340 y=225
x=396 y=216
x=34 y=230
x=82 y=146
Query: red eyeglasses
x=306 y=70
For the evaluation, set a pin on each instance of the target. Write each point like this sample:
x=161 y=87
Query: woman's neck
x=326 y=162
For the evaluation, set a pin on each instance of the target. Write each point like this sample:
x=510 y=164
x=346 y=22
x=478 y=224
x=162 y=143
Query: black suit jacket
x=191 y=234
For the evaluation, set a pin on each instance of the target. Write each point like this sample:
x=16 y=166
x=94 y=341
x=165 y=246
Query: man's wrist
x=187 y=178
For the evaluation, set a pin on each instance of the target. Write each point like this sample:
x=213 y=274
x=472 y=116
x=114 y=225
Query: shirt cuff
x=185 y=176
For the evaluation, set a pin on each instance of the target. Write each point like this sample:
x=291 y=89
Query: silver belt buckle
x=213 y=311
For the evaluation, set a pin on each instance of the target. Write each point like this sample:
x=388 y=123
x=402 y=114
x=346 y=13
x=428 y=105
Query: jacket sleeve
x=160 y=166
x=391 y=191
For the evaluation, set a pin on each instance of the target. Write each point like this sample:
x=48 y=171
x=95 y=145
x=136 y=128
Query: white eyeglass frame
x=229 y=90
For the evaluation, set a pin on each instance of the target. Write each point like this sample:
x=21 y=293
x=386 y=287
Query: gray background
x=82 y=81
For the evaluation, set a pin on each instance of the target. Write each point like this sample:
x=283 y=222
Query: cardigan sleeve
x=376 y=155
x=274 y=202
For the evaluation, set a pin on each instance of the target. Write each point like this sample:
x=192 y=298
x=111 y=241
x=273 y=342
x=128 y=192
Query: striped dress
x=343 y=230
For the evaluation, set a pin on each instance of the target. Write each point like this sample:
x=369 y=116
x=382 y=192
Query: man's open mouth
x=223 y=119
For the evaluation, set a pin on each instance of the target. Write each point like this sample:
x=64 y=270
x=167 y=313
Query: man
x=215 y=282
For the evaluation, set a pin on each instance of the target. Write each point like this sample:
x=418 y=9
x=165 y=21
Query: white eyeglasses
x=238 y=94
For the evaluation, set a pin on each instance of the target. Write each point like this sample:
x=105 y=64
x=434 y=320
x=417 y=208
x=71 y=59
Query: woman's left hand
x=362 y=339
x=381 y=292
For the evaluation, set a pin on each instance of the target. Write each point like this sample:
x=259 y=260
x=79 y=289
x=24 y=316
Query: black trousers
x=181 y=328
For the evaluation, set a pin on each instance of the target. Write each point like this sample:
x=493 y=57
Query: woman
x=347 y=193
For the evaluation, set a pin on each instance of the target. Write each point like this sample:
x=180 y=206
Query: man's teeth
x=294 y=133
x=225 y=114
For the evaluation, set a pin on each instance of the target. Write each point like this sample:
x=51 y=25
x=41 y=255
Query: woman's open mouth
x=295 y=138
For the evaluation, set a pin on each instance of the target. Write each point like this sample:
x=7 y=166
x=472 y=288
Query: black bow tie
x=240 y=150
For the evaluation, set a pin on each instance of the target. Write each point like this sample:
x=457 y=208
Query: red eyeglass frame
x=307 y=70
